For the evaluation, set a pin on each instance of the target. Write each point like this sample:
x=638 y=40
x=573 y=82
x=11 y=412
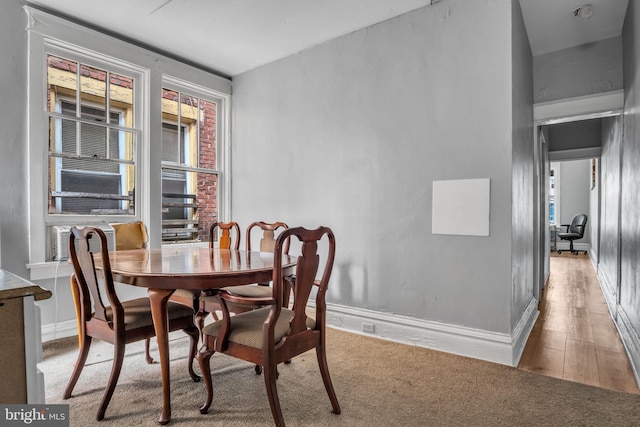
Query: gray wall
x=13 y=140
x=578 y=71
x=523 y=175
x=629 y=297
x=609 y=210
x=352 y=133
x=574 y=135
x=14 y=165
x=542 y=133
x=594 y=215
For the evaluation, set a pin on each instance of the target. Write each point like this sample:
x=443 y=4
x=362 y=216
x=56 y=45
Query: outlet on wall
x=368 y=327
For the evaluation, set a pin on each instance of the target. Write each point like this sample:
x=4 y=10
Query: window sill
x=56 y=269
x=177 y=245
x=49 y=270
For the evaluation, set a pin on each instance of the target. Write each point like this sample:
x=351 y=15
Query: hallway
x=574 y=337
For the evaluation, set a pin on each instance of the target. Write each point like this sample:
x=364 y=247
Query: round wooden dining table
x=164 y=270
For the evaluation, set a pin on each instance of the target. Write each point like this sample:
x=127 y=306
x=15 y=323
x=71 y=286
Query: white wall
x=574 y=189
x=352 y=133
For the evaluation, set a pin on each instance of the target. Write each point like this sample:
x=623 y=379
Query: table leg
x=159 y=299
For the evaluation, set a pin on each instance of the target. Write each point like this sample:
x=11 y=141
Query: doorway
x=552 y=120
x=573 y=190
x=566 y=139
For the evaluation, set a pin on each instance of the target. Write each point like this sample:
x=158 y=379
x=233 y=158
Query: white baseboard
x=628 y=336
x=564 y=246
x=65 y=329
x=630 y=340
x=495 y=347
x=491 y=346
x=521 y=332
x=606 y=285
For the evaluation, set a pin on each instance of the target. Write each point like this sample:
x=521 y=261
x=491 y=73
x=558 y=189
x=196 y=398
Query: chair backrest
x=268 y=241
x=87 y=277
x=307 y=268
x=229 y=232
x=130 y=235
x=578 y=224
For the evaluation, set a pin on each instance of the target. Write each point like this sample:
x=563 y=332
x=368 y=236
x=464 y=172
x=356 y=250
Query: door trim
x=579 y=108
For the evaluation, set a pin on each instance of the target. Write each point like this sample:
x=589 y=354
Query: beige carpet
x=378 y=383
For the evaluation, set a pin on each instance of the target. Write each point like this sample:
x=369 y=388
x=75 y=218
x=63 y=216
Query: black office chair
x=574 y=231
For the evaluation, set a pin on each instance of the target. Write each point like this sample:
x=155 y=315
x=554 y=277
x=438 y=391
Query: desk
x=164 y=270
x=22 y=381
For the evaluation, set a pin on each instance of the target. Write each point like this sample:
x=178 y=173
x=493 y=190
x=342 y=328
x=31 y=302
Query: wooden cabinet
x=20 y=340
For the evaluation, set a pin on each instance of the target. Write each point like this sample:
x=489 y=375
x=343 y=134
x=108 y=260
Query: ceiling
x=234 y=36
x=551 y=24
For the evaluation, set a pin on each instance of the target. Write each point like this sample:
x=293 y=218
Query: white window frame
x=184 y=138
x=59 y=100
x=40 y=218
x=97 y=60
x=222 y=142
x=555 y=167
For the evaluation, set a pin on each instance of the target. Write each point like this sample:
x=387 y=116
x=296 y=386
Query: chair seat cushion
x=250 y=291
x=246 y=328
x=569 y=236
x=137 y=312
x=186 y=293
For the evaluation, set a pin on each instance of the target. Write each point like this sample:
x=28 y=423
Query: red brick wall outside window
x=207 y=183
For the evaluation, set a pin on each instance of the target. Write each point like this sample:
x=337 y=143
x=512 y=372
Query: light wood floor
x=574 y=337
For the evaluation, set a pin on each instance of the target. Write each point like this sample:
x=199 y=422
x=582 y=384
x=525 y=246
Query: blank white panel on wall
x=461 y=207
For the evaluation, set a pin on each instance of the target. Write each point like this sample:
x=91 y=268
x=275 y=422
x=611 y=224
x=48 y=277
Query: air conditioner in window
x=60 y=240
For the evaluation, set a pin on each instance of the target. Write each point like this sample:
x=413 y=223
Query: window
x=554 y=196
x=189 y=173
x=91 y=153
x=100 y=133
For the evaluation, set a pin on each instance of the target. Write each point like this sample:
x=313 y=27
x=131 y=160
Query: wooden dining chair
x=128 y=235
x=260 y=290
x=133 y=235
x=253 y=294
x=114 y=321
x=228 y=235
x=271 y=335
